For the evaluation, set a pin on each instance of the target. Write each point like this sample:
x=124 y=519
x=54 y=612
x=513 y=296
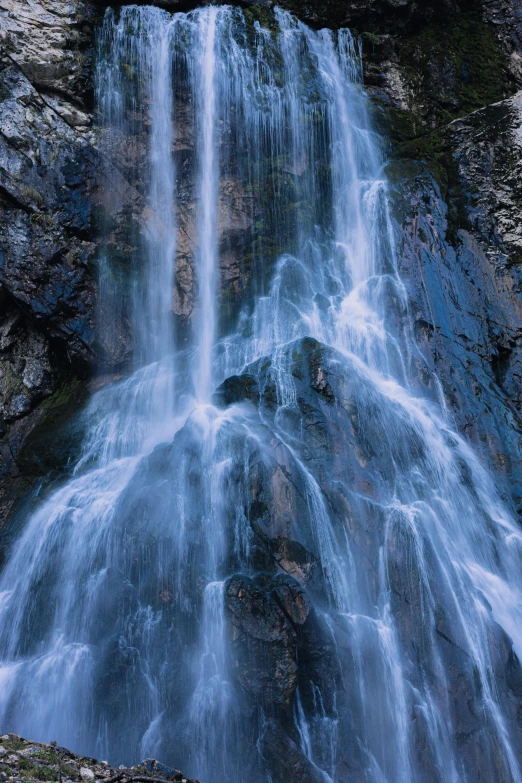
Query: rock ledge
x=26 y=761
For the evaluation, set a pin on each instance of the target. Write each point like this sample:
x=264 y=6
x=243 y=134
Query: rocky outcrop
x=32 y=762
x=457 y=201
x=54 y=165
x=47 y=173
x=264 y=641
x=27 y=371
x=285 y=757
x=332 y=441
x=439 y=71
x=54 y=186
x=52 y=43
x=488 y=151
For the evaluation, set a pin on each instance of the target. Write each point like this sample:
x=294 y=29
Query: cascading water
x=143 y=601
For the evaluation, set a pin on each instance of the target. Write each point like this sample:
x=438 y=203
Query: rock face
x=264 y=640
x=54 y=176
x=459 y=258
x=27 y=371
x=52 y=45
x=46 y=174
x=274 y=619
x=490 y=171
x=53 y=186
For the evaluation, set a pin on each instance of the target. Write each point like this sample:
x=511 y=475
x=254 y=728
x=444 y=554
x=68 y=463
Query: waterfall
x=207 y=251
x=260 y=196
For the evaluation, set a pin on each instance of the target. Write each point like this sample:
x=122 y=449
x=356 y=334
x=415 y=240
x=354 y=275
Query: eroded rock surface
x=459 y=213
x=46 y=173
x=53 y=43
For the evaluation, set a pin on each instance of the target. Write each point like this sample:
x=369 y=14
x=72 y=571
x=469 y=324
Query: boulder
x=264 y=643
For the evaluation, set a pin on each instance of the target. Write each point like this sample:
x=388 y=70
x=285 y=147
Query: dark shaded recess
x=375 y=15
x=501 y=355
x=39 y=450
x=54 y=443
x=235 y=389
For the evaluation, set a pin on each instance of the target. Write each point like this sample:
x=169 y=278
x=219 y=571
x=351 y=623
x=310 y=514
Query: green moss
x=48 y=754
x=12 y=384
x=397 y=124
x=54 y=441
x=435 y=152
x=14 y=743
x=64 y=396
x=258 y=13
x=371 y=38
x=47 y=773
x=456 y=66
x=40 y=772
x=43 y=219
x=9 y=44
x=452 y=68
x=31 y=194
x=128 y=71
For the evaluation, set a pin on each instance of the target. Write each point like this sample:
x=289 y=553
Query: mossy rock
x=260 y=14
x=54 y=441
x=452 y=66
x=456 y=65
x=28 y=769
x=48 y=754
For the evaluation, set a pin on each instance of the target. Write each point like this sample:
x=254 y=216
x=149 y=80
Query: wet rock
x=506 y=17
x=263 y=643
x=43 y=443
x=45 y=215
x=341 y=454
x=27 y=375
x=285 y=758
x=491 y=172
x=236 y=389
x=293 y=558
x=58 y=190
x=291 y=598
x=437 y=71
x=54 y=183
x=459 y=260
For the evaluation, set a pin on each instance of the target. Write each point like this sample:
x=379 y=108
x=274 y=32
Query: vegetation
x=450 y=68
